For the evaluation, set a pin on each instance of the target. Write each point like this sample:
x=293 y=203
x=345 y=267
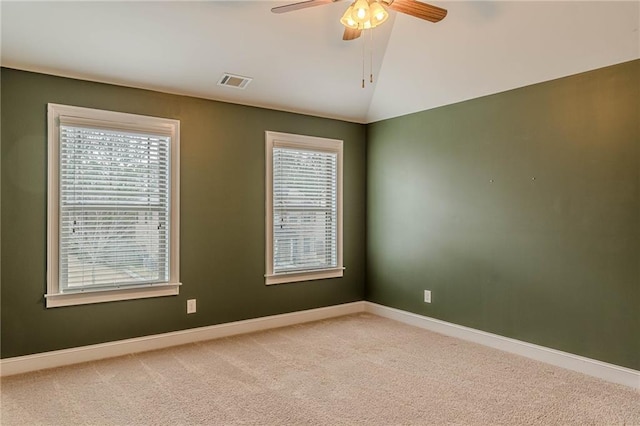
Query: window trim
x=288 y=140
x=124 y=121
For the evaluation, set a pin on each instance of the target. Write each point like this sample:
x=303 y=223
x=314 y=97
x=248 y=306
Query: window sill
x=100 y=296
x=291 y=277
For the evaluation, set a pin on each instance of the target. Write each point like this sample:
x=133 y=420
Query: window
x=113 y=206
x=304 y=208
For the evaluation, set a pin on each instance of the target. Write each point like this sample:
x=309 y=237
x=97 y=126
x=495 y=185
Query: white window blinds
x=305 y=210
x=114 y=207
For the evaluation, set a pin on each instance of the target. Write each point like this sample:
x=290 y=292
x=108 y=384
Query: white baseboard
x=591 y=367
x=27 y=363
x=602 y=370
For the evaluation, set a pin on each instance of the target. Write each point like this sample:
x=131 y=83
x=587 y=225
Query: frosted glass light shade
x=347 y=20
x=378 y=14
x=361 y=12
x=374 y=14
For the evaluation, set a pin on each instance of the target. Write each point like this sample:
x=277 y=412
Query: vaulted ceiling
x=298 y=60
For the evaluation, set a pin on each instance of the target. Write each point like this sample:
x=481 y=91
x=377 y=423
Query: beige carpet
x=358 y=369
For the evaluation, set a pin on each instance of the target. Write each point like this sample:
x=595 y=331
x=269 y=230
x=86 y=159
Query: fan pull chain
x=371 y=63
x=364 y=44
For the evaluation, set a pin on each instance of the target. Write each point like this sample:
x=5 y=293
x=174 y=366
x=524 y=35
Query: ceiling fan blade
x=351 y=34
x=419 y=10
x=301 y=5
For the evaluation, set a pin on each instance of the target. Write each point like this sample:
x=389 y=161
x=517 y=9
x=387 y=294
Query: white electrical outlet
x=427 y=296
x=191 y=306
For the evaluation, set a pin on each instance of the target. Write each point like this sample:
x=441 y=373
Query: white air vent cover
x=236 y=81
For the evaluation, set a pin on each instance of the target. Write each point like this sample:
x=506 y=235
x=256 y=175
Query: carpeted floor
x=358 y=369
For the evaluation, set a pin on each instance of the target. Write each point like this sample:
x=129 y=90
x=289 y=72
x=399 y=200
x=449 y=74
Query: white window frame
x=288 y=140
x=120 y=121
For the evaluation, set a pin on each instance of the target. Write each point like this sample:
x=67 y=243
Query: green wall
x=222 y=216
x=520 y=211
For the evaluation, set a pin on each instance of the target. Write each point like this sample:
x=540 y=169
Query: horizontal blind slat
x=114 y=188
x=304 y=209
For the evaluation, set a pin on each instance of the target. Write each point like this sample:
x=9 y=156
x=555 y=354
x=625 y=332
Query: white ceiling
x=298 y=60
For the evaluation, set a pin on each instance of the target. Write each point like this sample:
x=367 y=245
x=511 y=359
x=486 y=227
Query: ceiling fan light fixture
x=378 y=13
x=361 y=12
x=375 y=15
x=347 y=20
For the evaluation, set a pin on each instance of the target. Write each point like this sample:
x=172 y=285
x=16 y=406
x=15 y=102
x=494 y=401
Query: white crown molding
x=602 y=370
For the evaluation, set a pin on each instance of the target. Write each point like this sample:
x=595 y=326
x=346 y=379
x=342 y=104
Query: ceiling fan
x=365 y=14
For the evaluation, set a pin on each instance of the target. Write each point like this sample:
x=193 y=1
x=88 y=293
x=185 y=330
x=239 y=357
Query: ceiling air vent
x=236 y=81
